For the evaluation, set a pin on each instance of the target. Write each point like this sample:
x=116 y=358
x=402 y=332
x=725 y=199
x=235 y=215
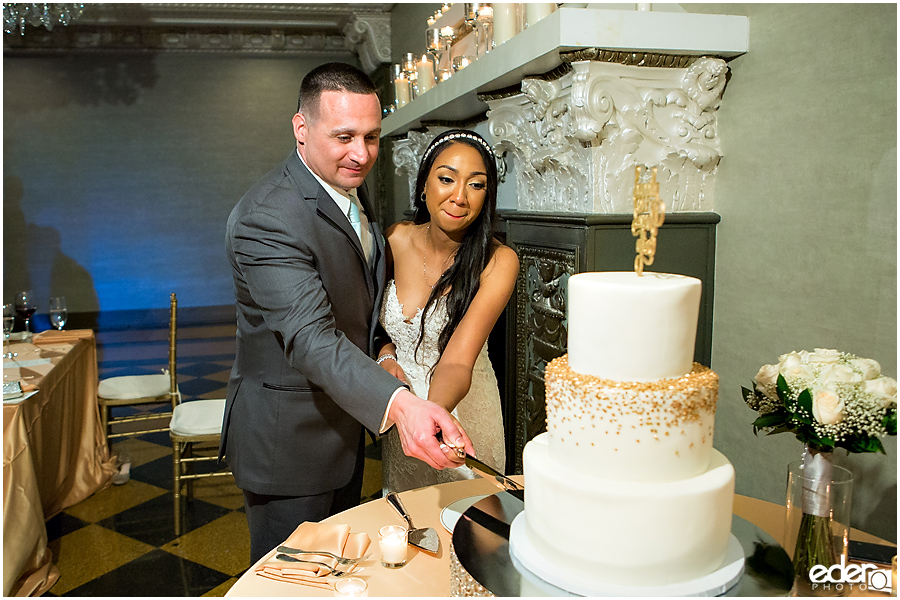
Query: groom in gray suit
x=308 y=285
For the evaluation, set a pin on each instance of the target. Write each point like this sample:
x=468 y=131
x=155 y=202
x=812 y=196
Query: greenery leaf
x=890 y=422
x=784 y=392
x=805 y=401
x=770 y=420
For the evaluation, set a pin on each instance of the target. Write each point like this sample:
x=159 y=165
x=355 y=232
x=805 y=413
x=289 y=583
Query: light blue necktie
x=353 y=215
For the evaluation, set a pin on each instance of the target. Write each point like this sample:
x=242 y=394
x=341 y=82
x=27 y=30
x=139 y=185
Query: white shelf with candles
x=536 y=50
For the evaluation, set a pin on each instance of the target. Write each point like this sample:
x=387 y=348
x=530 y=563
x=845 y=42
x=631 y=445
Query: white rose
x=799 y=371
x=883 y=388
x=870 y=369
x=767 y=375
x=827 y=406
x=791 y=359
x=839 y=374
x=825 y=355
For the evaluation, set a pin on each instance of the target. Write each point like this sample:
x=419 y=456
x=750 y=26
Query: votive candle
x=351 y=587
x=392 y=542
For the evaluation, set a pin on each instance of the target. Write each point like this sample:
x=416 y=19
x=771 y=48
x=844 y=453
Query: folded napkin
x=331 y=537
x=51 y=336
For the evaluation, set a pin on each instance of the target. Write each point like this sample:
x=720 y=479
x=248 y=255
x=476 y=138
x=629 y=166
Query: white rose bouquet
x=828 y=399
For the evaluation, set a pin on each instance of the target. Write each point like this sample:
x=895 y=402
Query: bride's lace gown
x=479 y=412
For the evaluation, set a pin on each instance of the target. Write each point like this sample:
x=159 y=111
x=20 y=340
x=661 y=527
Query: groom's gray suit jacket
x=303 y=383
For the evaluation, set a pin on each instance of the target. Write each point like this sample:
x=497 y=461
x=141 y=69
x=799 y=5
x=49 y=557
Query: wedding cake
x=625 y=488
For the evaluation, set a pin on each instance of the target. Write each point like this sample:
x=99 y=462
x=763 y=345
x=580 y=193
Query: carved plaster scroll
x=577 y=139
x=370 y=36
x=408 y=154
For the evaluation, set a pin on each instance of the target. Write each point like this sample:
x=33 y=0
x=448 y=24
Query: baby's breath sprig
x=827 y=399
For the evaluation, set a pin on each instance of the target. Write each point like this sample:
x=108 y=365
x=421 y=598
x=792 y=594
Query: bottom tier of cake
x=629 y=533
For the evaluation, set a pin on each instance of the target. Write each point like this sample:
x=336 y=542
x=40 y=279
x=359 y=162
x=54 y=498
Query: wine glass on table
x=9 y=317
x=58 y=312
x=25 y=307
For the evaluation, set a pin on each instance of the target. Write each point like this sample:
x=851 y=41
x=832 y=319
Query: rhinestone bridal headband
x=455 y=136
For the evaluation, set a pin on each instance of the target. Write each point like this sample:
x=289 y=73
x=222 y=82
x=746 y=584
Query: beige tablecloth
x=427 y=575
x=54 y=453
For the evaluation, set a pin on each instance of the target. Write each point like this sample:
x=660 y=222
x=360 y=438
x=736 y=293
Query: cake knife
x=508 y=484
x=476 y=465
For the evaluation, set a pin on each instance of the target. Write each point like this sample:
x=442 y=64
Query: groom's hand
x=418 y=423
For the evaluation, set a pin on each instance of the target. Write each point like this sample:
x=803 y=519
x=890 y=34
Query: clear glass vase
x=817 y=524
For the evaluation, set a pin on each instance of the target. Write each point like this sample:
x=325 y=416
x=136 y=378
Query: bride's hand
x=391 y=366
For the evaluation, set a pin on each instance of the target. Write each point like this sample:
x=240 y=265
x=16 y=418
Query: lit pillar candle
x=401 y=90
x=505 y=22
x=535 y=11
x=425 y=72
x=392 y=542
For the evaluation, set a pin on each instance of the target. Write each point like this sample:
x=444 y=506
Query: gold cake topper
x=649 y=214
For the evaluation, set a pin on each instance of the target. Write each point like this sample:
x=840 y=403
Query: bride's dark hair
x=464 y=275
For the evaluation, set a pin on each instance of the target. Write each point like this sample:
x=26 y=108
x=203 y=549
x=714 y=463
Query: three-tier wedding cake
x=625 y=488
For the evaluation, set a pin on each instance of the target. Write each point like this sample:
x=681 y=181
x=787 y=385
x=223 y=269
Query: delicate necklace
x=424 y=249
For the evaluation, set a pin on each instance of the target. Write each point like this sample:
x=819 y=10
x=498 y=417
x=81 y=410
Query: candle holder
x=392 y=540
x=447 y=35
x=484 y=25
x=470 y=16
x=351 y=587
x=401 y=86
x=408 y=65
x=461 y=62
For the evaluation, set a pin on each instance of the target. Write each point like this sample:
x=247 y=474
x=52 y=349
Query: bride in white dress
x=450 y=272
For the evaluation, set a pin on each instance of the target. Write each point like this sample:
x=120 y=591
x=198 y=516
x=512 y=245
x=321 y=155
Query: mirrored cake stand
x=481 y=547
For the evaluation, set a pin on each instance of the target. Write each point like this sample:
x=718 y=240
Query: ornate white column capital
x=577 y=139
x=407 y=155
x=369 y=35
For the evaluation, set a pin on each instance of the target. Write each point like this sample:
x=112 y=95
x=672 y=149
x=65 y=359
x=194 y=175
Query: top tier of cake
x=626 y=327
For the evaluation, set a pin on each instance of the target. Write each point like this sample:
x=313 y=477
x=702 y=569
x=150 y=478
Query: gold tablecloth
x=427 y=575
x=54 y=453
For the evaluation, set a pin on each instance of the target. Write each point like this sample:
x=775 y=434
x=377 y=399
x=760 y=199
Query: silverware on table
x=333 y=571
x=341 y=560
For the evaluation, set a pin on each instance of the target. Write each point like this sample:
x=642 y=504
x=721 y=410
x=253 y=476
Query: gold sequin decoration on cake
x=665 y=404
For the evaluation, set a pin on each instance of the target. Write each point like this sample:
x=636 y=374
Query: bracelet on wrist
x=385 y=357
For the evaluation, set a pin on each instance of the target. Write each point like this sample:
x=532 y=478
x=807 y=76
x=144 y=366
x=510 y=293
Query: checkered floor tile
x=121 y=540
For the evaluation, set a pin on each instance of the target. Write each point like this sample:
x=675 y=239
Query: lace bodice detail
x=479 y=412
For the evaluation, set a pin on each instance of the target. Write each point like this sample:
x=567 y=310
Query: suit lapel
x=328 y=210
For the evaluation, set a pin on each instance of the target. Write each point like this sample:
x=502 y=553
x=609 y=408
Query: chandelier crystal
x=16 y=15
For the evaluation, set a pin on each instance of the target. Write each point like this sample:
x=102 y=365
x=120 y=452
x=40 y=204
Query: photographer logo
x=862 y=577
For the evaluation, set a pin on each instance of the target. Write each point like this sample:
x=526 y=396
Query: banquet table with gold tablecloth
x=54 y=451
x=429 y=575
